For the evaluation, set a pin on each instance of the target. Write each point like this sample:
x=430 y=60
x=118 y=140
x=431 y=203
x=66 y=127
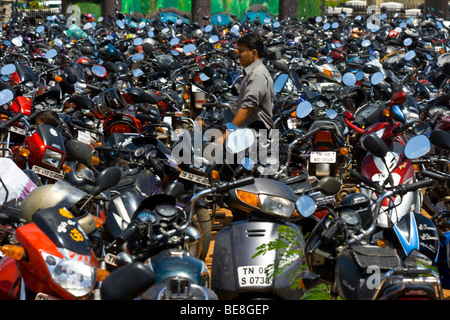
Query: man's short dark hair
x=252 y=41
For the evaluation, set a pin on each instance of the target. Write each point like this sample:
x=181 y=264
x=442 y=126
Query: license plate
x=194 y=178
x=84 y=136
x=47 y=173
x=111 y=259
x=322 y=157
x=17 y=130
x=43 y=296
x=253 y=276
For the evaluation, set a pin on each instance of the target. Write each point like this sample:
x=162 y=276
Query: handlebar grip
x=403 y=189
x=328 y=234
x=128 y=232
x=435 y=175
x=235 y=184
x=10 y=121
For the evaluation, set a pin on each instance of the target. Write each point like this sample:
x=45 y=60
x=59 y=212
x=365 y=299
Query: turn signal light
x=13 y=251
x=95 y=160
x=215 y=175
x=249 y=198
x=58 y=79
x=344 y=151
x=102 y=274
x=66 y=168
x=24 y=152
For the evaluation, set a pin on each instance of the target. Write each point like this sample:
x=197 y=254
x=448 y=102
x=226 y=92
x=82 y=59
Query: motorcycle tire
x=203 y=223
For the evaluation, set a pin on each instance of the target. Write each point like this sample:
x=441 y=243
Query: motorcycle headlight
x=74 y=275
x=268 y=204
x=277 y=205
x=52 y=158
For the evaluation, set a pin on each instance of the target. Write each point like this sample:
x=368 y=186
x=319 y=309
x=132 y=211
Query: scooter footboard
x=236 y=273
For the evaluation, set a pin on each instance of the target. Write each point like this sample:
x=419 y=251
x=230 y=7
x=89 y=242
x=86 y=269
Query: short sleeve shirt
x=257 y=93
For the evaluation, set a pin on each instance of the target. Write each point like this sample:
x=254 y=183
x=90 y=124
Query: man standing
x=256 y=96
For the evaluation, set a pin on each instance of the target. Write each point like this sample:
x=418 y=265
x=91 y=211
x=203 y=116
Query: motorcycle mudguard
x=236 y=273
x=415 y=231
x=9 y=279
x=178 y=263
x=443 y=262
x=175 y=266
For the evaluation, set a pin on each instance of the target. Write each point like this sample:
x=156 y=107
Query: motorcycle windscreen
x=63 y=229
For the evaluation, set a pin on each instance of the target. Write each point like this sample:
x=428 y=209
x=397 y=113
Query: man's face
x=246 y=56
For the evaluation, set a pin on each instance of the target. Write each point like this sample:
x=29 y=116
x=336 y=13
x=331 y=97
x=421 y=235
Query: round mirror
x=235 y=30
x=208 y=28
x=349 y=79
x=50 y=54
x=240 y=140
x=175 y=53
x=331 y=114
x=8 y=69
x=410 y=55
x=138 y=41
x=326 y=26
x=365 y=43
x=279 y=83
x=40 y=29
x=120 y=24
x=248 y=163
x=306 y=206
x=17 y=42
x=189 y=48
x=58 y=42
x=98 y=70
x=137 y=73
x=377 y=78
x=359 y=75
x=6 y=96
x=204 y=77
x=303 y=109
x=213 y=39
x=174 y=41
x=407 y=42
x=417 y=146
x=137 y=57
x=150 y=33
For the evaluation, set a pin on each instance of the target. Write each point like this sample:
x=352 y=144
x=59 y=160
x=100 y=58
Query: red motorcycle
x=392 y=169
x=51 y=257
x=43 y=152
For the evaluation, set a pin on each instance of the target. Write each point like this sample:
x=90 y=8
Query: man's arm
x=240 y=116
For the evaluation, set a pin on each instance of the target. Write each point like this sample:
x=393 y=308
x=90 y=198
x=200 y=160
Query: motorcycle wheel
x=203 y=223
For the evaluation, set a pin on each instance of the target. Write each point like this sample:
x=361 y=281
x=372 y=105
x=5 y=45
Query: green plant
x=35 y=5
x=290 y=244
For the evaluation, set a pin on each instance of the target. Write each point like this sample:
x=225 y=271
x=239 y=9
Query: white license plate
x=253 y=276
x=322 y=157
x=111 y=259
x=17 y=130
x=194 y=178
x=43 y=296
x=47 y=173
x=84 y=136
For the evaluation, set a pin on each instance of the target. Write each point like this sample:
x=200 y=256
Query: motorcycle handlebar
x=6 y=124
